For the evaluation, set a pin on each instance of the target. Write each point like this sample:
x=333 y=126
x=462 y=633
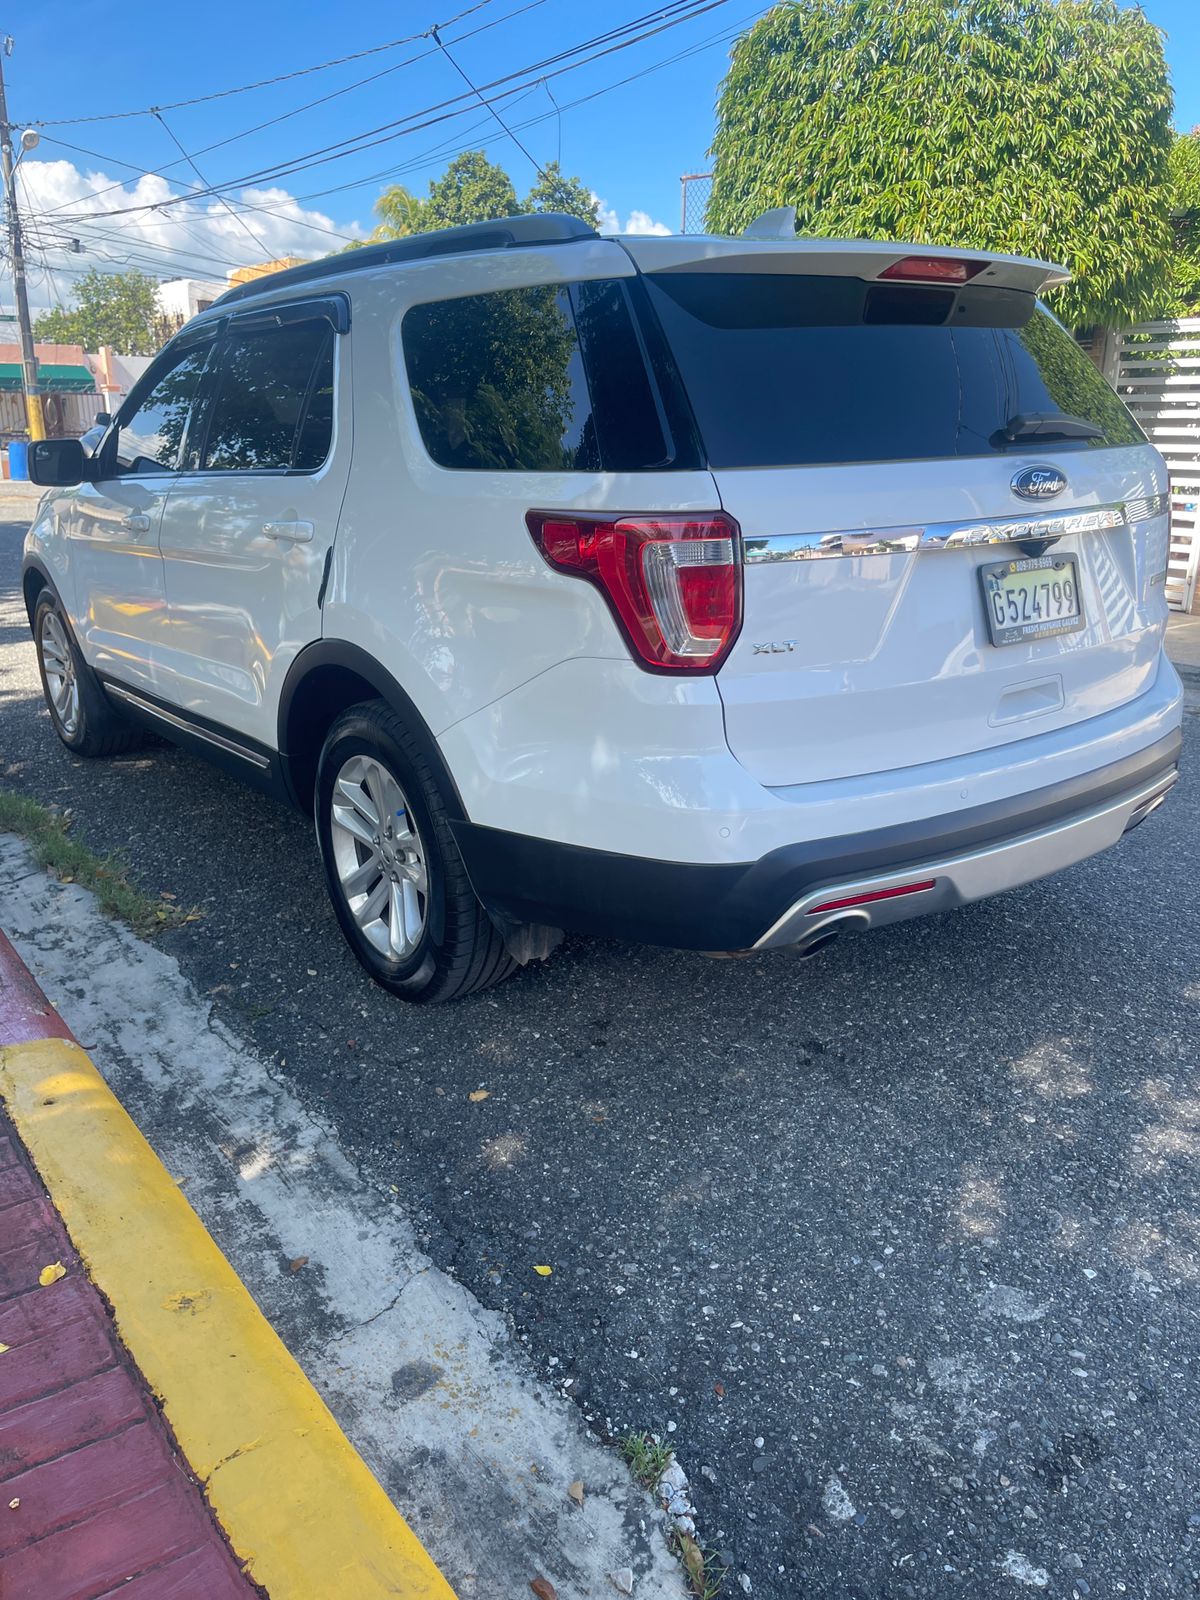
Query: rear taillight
x=673 y=583
x=933 y=269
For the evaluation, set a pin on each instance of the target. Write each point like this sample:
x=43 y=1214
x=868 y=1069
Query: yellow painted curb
x=296 y=1500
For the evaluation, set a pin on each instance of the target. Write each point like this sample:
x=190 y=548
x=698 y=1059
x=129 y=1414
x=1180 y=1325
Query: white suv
x=723 y=593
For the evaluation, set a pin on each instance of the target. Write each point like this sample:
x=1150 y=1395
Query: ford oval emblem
x=1039 y=483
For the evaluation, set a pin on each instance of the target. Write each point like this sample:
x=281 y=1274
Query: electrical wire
x=533 y=161
x=242 y=223
x=665 y=18
x=296 y=111
x=262 y=83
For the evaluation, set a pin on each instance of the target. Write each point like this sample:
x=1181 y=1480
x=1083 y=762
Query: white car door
x=118 y=595
x=250 y=521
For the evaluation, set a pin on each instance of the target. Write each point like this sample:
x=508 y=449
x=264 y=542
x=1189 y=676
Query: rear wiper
x=1032 y=426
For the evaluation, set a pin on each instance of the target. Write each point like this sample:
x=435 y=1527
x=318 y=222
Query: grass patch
x=705 y=1573
x=647 y=1458
x=48 y=834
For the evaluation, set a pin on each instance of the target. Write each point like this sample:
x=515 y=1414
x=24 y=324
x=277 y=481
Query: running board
x=219 y=741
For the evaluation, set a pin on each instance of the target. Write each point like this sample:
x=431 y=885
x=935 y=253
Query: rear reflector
x=933 y=269
x=874 y=894
x=674 y=584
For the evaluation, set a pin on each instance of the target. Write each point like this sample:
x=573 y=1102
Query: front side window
x=272 y=405
x=151 y=438
x=548 y=378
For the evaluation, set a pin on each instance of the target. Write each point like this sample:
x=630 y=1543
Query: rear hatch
x=884 y=428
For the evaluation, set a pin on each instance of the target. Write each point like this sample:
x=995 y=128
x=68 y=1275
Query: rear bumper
x=768 y=903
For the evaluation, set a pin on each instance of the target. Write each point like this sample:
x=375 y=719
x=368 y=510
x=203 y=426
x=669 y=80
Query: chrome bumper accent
x=951 y=535
x=974 y=874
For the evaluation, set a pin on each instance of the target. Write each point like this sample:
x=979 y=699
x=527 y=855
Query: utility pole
x=34 y=415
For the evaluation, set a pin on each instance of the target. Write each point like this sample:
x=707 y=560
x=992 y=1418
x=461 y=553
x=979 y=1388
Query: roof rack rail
x=543 y=227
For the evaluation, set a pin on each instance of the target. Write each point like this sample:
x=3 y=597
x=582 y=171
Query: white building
x=184 y=297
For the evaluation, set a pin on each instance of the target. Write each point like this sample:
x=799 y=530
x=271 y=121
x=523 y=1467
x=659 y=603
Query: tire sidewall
x=358 y=735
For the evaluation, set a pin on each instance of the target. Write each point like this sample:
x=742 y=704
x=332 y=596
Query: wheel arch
x=34 y=578
x=325 y=678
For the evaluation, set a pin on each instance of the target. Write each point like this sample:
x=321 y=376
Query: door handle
x=137 y=523
x=289 y=532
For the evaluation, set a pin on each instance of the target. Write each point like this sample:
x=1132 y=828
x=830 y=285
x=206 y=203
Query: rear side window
x=272 y=406
x=793 y=369
x=548 y=378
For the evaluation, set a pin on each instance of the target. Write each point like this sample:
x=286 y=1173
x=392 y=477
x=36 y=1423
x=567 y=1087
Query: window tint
x=541 y=379
x=793 y=369
x=273 y=402
x=150 y=440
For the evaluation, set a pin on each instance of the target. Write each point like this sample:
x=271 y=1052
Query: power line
x=614 y=40
x=244 y=225
x=263 y=83
x=437 y=39
x=296 y=111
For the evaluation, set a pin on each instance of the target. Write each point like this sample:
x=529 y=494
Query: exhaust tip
x=820 y=938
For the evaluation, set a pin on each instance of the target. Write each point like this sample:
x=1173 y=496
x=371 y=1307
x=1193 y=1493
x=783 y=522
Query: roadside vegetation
x=48 y=834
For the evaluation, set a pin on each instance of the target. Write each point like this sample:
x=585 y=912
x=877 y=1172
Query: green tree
x=1182 y=298
x=554 y=191
x=472 y=189
x=1040 y=127
x=114 y=308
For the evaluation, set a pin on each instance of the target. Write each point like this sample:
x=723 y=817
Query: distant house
x=180 y=299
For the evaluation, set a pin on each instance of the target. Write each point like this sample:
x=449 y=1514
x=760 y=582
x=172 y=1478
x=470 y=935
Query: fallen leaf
x=300 y=1261
x=543 y=1272
x=693 y=1561
x=479 y=1094
x=575 y=1492
x=167 y=895
x=51 y=1274
x=544 y=1589
x=13 y=1504
x=719 y=1390
x=3 y=1349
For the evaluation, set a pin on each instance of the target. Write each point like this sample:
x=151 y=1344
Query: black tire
x=459 y=951
x=98 y=729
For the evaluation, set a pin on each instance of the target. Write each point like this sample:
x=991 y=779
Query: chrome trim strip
x=950 y=535
x=184 y=726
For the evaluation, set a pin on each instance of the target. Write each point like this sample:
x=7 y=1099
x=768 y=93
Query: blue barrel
x=18 y=459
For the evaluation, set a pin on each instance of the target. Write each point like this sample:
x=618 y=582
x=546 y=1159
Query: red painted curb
x=25 y=1013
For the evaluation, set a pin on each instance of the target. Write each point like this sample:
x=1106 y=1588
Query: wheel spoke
x=363 y=876
x=373 y=905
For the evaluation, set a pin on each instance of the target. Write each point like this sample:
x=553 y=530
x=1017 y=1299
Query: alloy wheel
x=379 y=856
x=58 y=664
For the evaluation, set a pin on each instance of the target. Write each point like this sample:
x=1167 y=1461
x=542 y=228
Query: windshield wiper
x=1032 y=426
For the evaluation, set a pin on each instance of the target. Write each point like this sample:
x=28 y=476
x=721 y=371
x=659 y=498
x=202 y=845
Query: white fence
x=1155 y=368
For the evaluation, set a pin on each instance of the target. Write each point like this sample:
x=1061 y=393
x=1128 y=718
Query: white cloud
x=639 y=221
x=193 y=239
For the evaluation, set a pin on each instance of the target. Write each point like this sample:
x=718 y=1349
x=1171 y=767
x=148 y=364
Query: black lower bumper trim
x=728 y=907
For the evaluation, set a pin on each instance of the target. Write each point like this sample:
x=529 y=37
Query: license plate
x=1031 y=599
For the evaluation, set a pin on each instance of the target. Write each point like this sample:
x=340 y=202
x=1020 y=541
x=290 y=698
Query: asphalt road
x=902 y=1243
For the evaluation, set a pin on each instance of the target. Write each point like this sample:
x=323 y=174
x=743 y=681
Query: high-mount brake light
x=933 y=269
x=673 y=583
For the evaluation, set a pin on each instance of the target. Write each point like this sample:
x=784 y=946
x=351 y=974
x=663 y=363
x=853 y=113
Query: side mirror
x=102 y=419
x=57 y=463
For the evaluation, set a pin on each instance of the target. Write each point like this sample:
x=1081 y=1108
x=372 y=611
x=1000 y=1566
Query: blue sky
x=629 y=143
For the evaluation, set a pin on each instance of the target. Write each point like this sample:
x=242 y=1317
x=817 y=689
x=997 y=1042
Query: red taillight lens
x=673 y=583
x=933 y=269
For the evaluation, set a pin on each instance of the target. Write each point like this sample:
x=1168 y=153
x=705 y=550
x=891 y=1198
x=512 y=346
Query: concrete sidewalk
x=1183 y=643
x=242 y=1484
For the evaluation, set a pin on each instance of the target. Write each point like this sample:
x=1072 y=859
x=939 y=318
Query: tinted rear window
x=801 y=370
x=542 y=379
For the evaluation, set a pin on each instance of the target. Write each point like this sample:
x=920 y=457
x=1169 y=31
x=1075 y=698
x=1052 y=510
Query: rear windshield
x=793 y=369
